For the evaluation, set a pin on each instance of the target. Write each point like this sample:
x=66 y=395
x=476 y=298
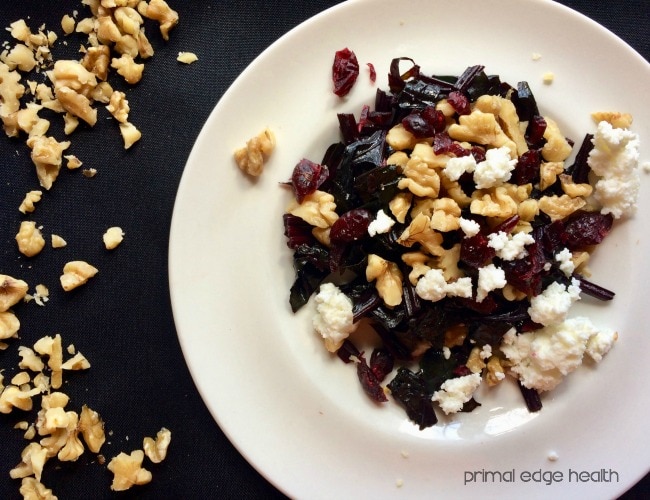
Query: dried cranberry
x=369 y=382
x=351 y=226
x=478 y=153
x=381 y=363
x=373 y=72
x=462 y=371
x=475 y=252
x=425 y=123
x=584 y=229
x=527 y=169
x=535 y=131
x=459 y=102
x=307 y=177
x=441 y=143
x=345 y=71
x=526 y=274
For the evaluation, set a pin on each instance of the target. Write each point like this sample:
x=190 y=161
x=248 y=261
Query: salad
x=451 y=221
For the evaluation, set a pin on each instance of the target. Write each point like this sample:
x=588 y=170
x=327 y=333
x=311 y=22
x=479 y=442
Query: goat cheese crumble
x=553 y=304
x=615 y=159
x=542 y=358
x=455 y=392
x=490 y=278
x=432 y=286
x=510 y=246
x=381 y=224
x=496 y=169
x=333 y=320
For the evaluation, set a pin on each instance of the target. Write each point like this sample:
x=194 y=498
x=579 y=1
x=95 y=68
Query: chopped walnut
x=574 y=190
x=73 y=448
x=14 y=397
x=160 y=11
x=493 y=202
x=73 y=75
x=30 y=361
x=420 y=178
x=128 y=68
x=73 y=162
x=77 y=104
x=76 y=273
x=12 y=291
x=419 y=263
x=506 y=112
x=187 y=57
x=130 y=134
x=58 y=242
x=252 y=158
x=481 y=128
x=89 y=172
x=399 y=138
x=33 y=458
x=113 y=237
x=67 y=24
x=400 y=205
x=51 y=347
x=47 y=154
x=557 y=148
x=446 y=215
x=29 y=238
x=317 y=208
x=128 y=471
x=548 y=173
x=560 y=207
x=9 y=325
x=118 y=106
x=156 y=449
x=70 y=124
x=32 y=489
x=77 y=362
x=448 y=262
x=495 y=371
x=614 y=118
x=420 y=231
x=91 y=427
x=97 y=60
x=474 y=362
x=388 y=279
x=20 y=57
x=128 y=20
x=32 y=197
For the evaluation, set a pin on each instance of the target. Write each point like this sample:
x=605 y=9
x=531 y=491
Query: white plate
x=298 y=414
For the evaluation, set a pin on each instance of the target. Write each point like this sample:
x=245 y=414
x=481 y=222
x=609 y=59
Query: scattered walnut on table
x=156 y=449
x=128 y=471
x=76 y=273
x=29 y=238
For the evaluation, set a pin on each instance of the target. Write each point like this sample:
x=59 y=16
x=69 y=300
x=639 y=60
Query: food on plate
x=452 y=221
x=252 y=157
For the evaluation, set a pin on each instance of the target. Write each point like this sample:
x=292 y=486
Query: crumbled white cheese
x=615 y=160
x=455 y=392
x=432 y=286
x=457 y=166
x=553 y=304
x=490 y=278
x=446 y=352
x=382 y=224
x=509 y=246
x=564 y=257
x=600 y=344
x=469 y=227
x=486 y=352
x=495 y=169
x=334 y=320
x=542 y=358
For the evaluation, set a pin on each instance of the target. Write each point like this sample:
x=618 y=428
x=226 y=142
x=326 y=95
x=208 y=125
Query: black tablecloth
x=122 y=322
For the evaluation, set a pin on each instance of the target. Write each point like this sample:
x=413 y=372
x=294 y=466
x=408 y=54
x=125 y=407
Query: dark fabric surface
x=122 y=322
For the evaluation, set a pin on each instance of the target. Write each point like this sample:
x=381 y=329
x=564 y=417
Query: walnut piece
x=252 y=158
x=113 y=237
x=47 y=154
x=32 y=489
x=51 y=347
x=58 y=242
x=27 y=205
x=614 y=118
x=33 y=458
x=128 y=471
x=118 y=106
x=12 y=291
x=160 y=11
x=560 y=207
x=130 y=134
x=317 y=208
x=187 y=57
x=76 y=273
x=388 y=279
x=9 y=325
x=156 y=449
x=557 y=148
x=481 y=128
x=128 y=68
x=29 y=238
x=91 y=427
x=420 y=231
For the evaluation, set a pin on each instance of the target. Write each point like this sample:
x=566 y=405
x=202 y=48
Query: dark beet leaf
x=410 y=390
